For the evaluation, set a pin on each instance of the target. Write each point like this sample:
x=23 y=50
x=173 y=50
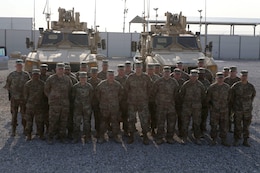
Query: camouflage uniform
x=58 y=90
x=102 y=75
x=34 y=98
x=95 y=105
x=82 y=97
x=109 y=96
x=165 y=92
x=208 y=73
x=15 y=84
x=192 y=95
x=138 y=91
x=242 y=103
x=218 y=97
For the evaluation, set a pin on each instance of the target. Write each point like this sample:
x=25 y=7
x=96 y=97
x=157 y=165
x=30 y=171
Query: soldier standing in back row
x=192 y=94
x=185 y=76
x=151 y=104
x=94 y=81
x=218 y=98
x=58 y=90
x=33 y=95
x=242 y=97
x=165 y=91
x=109 y=93
x=138 y=86
x=230 y=80
x=83 y=67
x=226 y=71
x=208 y=73
x=103 y=73
x=128 y=68
x=82 y=94
x=15 y=84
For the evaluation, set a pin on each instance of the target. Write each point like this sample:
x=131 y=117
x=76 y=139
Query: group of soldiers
x=165 y=100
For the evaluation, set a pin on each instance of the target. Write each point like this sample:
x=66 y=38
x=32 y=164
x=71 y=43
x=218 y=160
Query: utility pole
x=125 y=12
x=156 y=9
x=200 y=18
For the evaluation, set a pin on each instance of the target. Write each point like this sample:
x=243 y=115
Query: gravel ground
x=17 y=155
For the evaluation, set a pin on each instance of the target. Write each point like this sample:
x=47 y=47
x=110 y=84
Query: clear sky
x=110 y=13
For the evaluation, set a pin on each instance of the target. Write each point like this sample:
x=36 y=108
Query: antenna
x=47 y=13
x=125 y=12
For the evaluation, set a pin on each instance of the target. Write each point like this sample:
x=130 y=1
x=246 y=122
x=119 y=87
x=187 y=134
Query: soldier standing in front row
x=138 y=86
x=109 y=93
x=15 y=84
x=218 y=98
x=242 y=96
x=33 y=95
x=82 y=94
x=192 y=94
x=58 y=90
x=165 y=91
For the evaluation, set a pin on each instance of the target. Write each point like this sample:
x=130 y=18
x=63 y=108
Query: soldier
x=83 y=67
x=103 y=73
x=204 y=110
x=226 y=71
x=121 y=78
x=45 y=110
x=178 y=105
x=82 y=94
x=58 y=90
x=208 y=73
x=230 y=80
x=151 y=104
x=185 y=76
x=138 y=86
x=70 y=118
x=15 y=84
x=157 y=69
x=165 y=91
x=242 y=97
x=109 y=91
x=33 y=95
x=128 y=67
x=218 y=98
x=94 y=81
x=192 y=94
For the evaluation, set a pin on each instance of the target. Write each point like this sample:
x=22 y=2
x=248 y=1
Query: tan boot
x=224 y=142
x=130 y=138
x=28 y=137
x=245 y=143
x=13 y=131
x=145 y=139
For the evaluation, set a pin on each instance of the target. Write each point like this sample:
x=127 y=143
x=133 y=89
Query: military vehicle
x=68 y=41
x=169 y=43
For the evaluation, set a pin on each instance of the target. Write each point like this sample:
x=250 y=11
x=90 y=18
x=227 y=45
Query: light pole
x=200 y=18
x=156 y=9
x=125 y=12
x=206 y=26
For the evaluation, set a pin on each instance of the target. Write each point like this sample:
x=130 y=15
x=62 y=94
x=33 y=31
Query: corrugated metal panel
x=16 y=23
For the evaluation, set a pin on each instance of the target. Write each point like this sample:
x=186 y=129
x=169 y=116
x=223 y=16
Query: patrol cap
x=179 y=62
x=110 y=72
x=138 y=64
x=201 y=70
x=83 y=74
x=66 y=63
x=83 y=64
x=60 y=65
x=120 y=66
x=67 y=67
x=194 y=72
x=244 y=73
x=105 y=62
x=156 y=65
x=226 y=69
x=167 y=69
x=128 y=63
x=201 y=59
x=219 y=75
x=43 y=66
x=177 y=70
x=150 y=65
x=19 y=61
x=233 y=69
x=93 y=69
x=36 y=71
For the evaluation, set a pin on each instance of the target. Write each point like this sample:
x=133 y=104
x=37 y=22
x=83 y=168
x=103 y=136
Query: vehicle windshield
x=54 y=38
x=160 y=42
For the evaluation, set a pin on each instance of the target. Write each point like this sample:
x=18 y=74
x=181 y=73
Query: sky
x=109 y=14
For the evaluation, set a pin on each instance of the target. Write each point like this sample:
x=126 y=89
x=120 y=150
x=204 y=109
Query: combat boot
x=130 y=138
x=118 y=139
x=224 y=142
x=245 y=143
x=213 y=142
x=13 y=131
x=236 y=142
x=159 y=141
x=170 y=140
x=145 y=139
x=197 y=141
x=50 y=141
x=28 y=137
x=24 y=126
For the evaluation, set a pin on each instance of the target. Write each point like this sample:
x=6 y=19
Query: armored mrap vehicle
x=169 y=43
x=68 y=41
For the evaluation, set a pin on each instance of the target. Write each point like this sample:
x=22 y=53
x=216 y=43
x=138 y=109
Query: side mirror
x=133 y=46
x=103 y=44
